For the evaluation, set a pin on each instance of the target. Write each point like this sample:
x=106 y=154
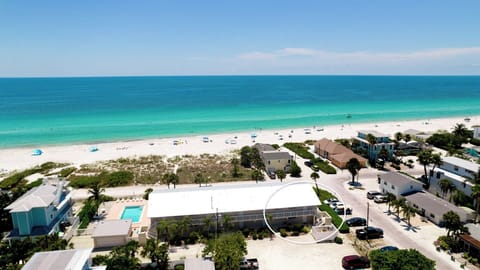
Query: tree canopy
x=403 y=259
x=227 y=251
x=353 y=166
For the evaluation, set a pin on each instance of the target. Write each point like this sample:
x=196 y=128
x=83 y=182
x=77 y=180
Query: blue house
x=382 y=141
x=40 y=211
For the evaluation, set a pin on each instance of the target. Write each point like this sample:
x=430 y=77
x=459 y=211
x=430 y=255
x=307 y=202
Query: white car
x=380 y=198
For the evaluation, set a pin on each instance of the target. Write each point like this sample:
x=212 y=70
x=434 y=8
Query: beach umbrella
x=37 y=152
x=93 y=149
x=253 y=135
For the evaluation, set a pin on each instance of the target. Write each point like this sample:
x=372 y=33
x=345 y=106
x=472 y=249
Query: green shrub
x=179 y=267
x=120 y=178
x=283 y=232
x=254 y=236
x=336 y=219
x=83 y=181
x=338 y=240
x=323 y=166
x=67 y=171
x=276 y=146
x=300 y=149
x=295 y=233
x=35 y=184
x=475 y=141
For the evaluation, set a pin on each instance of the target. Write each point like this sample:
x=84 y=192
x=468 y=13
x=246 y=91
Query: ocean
x=46 y=111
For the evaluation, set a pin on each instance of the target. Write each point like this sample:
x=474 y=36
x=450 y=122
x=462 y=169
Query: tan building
x=111 y=233
x=338 y=154
x=273 y=159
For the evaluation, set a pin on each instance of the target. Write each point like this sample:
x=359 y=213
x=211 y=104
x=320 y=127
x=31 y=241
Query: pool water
x=132 y=212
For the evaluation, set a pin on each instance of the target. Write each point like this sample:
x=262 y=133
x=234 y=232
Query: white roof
x=71 y=259
x=229 y=198
x=453 y=176
x=41 y=196
x=471 y=166
x=374 y=133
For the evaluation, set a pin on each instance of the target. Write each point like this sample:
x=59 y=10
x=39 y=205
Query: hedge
x=114 y=179
x=323 y=166
x=336 y=219
x=300 y=149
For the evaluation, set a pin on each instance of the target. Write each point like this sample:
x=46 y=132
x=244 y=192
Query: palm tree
x=235 y=170
x=445 y=186
x=460 y=130
x=476 y=197
x=407 y=137
x=257 y=175
x=398 y=204
x=227 y=222
x=173 y=179
x=199 y=179
x=207 y=224
x=408 y=212
x=281 y=175
x=147 y=192
x=398 y=136
x=390 y=199
x=184 y=225
x=452 y=222
x=372 y=140
x=425 y=158
x=353 y=166
x=96 y=191
x=166 y=180
x=314 y=177
x=157 y=252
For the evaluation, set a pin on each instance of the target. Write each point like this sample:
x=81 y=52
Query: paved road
x=395 y=233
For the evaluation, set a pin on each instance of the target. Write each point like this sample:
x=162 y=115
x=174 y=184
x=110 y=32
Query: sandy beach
x=20 y=158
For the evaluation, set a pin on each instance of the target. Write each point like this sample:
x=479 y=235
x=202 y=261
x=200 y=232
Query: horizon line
x=241 y=75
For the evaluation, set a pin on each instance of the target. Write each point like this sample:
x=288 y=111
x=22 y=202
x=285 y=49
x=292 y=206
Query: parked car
x=343 y=210
x=334 y=205
x=308 y=163
x=369 y=232
x=249 y=263
x=271 y=174
x=330 y=201
x=371 y=194
x=315 y=168
x=355 y=262
x=380 y=198
x=388 y=248
x=356 y=221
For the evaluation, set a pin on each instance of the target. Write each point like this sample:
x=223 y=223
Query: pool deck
x=115 y=210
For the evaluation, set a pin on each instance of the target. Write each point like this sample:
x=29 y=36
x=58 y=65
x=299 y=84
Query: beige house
x=111 y=233
x=338 y=154
x=273 y=159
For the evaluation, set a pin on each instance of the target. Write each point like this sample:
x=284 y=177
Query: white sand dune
x=21 y=158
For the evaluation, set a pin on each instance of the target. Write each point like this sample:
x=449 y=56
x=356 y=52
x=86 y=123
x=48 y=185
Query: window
x=432 y=215
x=268 y=162
x=439 y=175
x=393 y=187
x=51 y=216
x=385 y=183
x=455 y=168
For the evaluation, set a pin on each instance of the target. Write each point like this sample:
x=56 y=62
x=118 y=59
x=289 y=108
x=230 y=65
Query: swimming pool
x=132 y=212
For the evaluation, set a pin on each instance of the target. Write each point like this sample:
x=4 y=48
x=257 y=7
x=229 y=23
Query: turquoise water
x=132 y=212
x=41 y=111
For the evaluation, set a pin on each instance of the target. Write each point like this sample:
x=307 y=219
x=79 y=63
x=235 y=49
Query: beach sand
x=21 y=158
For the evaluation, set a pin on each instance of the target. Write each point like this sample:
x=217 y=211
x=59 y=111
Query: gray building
x=111 y=233
x=433 y=208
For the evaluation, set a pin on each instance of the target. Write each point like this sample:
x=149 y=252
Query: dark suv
x=369 y=232
x=355 y=262
x=356 y=221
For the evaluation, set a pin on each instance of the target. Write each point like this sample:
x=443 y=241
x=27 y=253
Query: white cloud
x=315 y=61
x=430 y=54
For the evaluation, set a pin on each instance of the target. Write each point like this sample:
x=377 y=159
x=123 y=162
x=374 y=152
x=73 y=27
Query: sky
x=242 y=37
